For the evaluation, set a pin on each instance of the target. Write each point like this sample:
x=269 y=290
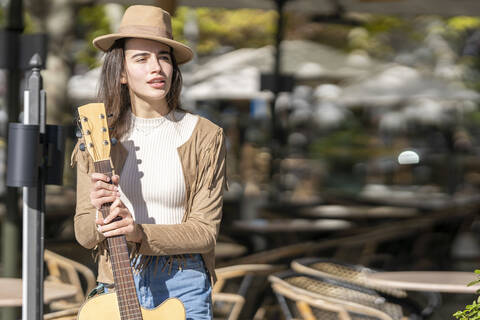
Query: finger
x=116 y=211
x=115 y=179
x=119 y=231
x=116 y=225
x=95 y=176
x=104 y=185
x=117 y=203
x=115 y=214
x=99 y=221
x=97 y=194
x=99 y=202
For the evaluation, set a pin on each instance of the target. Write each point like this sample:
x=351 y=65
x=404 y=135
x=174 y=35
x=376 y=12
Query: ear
x=123 y=78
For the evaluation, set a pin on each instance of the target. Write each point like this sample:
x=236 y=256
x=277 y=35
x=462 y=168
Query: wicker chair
x=359 y=302
x=65 y=270
x=343 y=272
x=358 y=275
x=235 y=288
x=67 y=314
x=295 y=305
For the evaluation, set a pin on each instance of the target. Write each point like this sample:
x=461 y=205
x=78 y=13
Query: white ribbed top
x=152 y=184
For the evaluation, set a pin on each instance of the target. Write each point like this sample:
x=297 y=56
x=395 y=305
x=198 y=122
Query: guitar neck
x=120 y=258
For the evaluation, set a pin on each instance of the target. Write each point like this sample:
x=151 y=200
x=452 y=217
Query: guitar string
x=126 y=286
x=128 y=299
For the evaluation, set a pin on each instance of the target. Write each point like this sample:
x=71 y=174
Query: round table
x=357 y=212
x=433 y=281
x=11 y=291
x=264 y=226
x=226 y=250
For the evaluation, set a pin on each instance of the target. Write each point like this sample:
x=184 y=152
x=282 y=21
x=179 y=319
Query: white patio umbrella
x=301 y=58
x=396 y=84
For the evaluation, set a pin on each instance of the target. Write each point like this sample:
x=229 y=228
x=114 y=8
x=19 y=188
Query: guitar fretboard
x=128 y=304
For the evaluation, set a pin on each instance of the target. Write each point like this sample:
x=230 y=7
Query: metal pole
x=276 y=89
x=10 y=226
x=33 y=204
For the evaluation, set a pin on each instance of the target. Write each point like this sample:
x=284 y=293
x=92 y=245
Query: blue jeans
x=186 y=280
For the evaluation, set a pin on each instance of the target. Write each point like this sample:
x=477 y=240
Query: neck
x=145 y=109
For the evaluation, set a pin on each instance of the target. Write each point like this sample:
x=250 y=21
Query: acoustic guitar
x=123 y=303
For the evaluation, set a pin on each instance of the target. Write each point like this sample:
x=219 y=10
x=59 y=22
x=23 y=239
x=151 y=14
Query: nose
x=154 y=65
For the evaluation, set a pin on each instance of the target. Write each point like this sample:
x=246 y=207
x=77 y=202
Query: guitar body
x=105 y=306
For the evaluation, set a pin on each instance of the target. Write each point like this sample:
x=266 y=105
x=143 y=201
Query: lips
x=157 y=83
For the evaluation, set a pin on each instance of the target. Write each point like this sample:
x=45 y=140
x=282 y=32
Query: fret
x=130 y=304
x=131 y=317
x=122 y=262
x=123 y=267
x=122 y=256
x=120 y=245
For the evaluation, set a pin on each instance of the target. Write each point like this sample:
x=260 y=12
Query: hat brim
x=181 y=52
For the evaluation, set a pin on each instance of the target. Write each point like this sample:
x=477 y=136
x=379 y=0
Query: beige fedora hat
x=146 y=22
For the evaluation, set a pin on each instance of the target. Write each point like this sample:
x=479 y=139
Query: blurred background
x=353 y=129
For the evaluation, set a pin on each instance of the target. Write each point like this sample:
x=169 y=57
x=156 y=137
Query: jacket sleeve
x=84 y=221
x=199 y=232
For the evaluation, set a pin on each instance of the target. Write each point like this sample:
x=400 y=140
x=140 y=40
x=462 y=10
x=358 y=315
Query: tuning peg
x=114 y=141
x=110 y=115
x=82 y=146
x=78 y=133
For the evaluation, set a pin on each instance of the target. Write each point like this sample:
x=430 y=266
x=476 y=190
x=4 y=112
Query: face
x=148 y=71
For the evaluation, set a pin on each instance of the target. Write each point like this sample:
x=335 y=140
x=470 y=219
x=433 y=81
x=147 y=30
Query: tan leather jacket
x=204 y=168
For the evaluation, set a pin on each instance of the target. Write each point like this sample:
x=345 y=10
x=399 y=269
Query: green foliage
x=27 y=21
x=234 y=28
x=342 y=147
x=463 y=23
x=471 y=311
x=472 y=119
x=381 y=24
x=93 y=22
x=380 y=35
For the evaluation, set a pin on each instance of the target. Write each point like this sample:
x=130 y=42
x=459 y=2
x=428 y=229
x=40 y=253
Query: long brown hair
x=115 y=95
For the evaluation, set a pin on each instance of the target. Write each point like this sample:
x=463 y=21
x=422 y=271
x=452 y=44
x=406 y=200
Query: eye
x=164 y=57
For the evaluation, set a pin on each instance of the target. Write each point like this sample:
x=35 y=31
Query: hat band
x=146 y=30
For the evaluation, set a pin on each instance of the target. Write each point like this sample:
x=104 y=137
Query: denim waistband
x=143 y=263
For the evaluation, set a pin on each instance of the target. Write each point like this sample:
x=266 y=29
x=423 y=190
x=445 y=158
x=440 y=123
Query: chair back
x=296 y=305
x=239 y=289
x=62 y=269
x=343 y=272
x=354 y=299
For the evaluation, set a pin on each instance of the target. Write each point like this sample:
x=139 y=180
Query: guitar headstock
x=94 y=126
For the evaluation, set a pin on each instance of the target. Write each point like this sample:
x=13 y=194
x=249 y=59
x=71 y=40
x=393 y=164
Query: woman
x=169 y=168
